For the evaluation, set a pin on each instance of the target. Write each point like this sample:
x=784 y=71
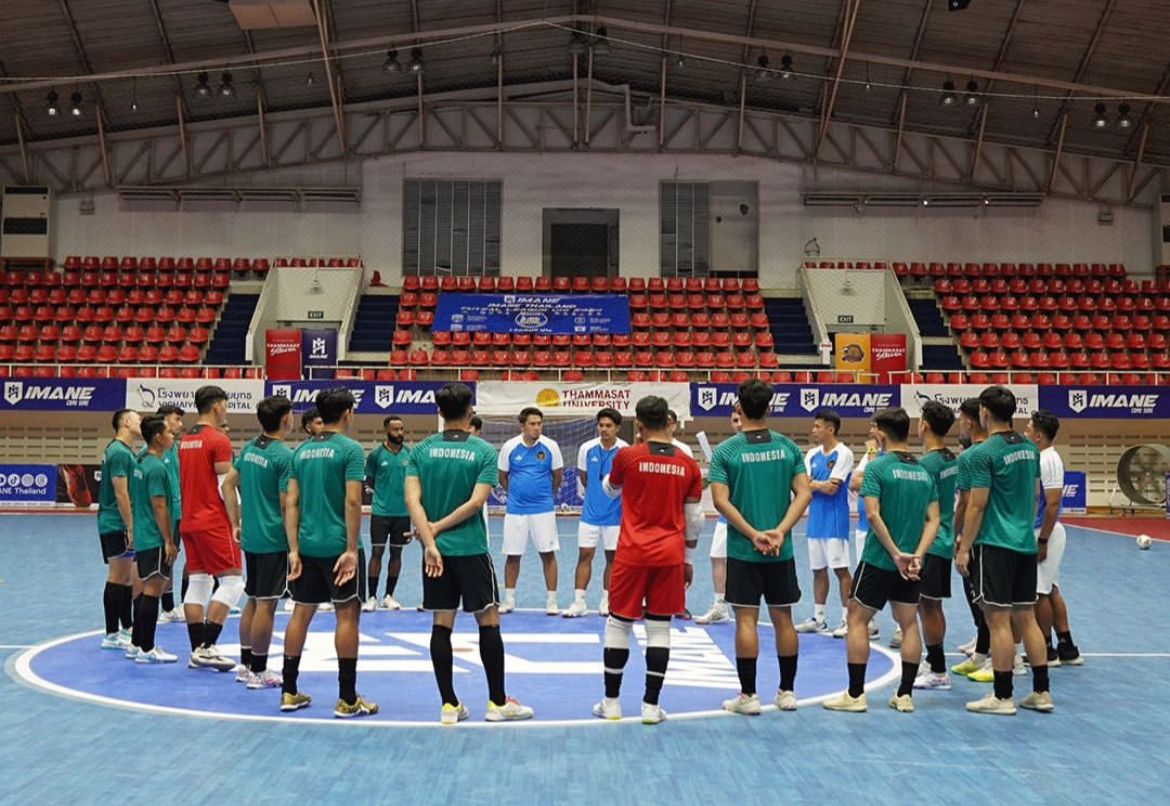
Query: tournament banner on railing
x=852 y=352
x=1075 y=498
x=282 y=354
x=28 y=484
x=407 y=397
x=887 y=355
x=953 y=395
x=581 y=399
x=1106 y=402
x=319 y=352
x=63 y=394
x=533 y=313
x=147 y=394
x=848 y=400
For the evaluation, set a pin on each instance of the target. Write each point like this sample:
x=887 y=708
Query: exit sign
x=316 y=314
x=842 y=319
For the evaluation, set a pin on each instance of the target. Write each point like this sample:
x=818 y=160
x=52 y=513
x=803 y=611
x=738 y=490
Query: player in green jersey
x=971 y=436
x=389 y=520
x=115 y=523
x=173 y=416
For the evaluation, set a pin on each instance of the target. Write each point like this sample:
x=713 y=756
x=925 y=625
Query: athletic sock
x=746 y=669
x=211 y=632
x=126 y=606
x=844 y=615
x=111 y=602
x=787 y=672
x=347 y=680
x=491 y=654
x=719 y=598
x=442 y=658
x=372 y=586
x=246 y=656
x=1003 y=684
x=135 y=607
x=819 y=612
x=292 y=670
x=657 y=658
x=195 y=634
x=391 y=584
x=259 y=664
x=983 y=640
x=856 y=679
x=168 y=601
x=936 y=658
x=148 y=616
x=510 y=596
x=579 y=595
x=909 y=672
x=1040 y=678
x=1064 y=638
x=614 y=661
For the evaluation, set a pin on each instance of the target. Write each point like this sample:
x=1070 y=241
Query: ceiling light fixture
x=762 y=73
x=786 y=66
x=226 y=88
x=1124 y=122
x=972 y=96
x=1100 y=120
x=391 y=65
x=416 y=60
x=601 y=45
x=948 y=96
x=868 y=85
x=51 y=100
x=75 y=104
x=202 y=87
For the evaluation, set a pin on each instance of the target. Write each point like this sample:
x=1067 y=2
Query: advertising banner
x=887 y=354
x=914 y=395
x=534 y=313
x=852 y=352
x=1075 y=499
x=1106 y=402
x=412 y=397
x=318 y=350
x=147 y=394
x=282 y=354
x=788 y=400
x=63 y=394
x=28 y=484
x=508 y=397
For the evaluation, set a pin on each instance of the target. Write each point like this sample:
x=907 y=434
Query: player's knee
x=658 y=633
x=617 y=632
x=198 y=590
x=230 y=590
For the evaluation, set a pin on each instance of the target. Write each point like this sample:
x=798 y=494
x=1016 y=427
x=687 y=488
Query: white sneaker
x=718 y=614
x=812 y=625
x=875 y=632
x=931 y=680
x=209 y=658
x=124 y=640
x=171 y=616
x=325 y=607
x=1018 y=667
x=111 y=642
x=289 y=605
x=510 y=711
x=390 y=603
x=903 y=703
x=1041 y=701
x=453 y=714
x=243 y=673
x=550 y=607
x=844 y=702
x=896 y=639
x=507 y=607
x=156 y=655
x=603 y=607
x=652 y=714
x=608 y=709
x=968 y=648
x=266 y=679
x=235 y=611
x=131 y=653
x=576 y=609
x=369 y=604
x=746 y=704
x=786 y=700
x=842 y=630
x=993 y=705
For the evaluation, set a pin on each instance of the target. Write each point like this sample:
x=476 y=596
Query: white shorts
x=719 y=541
x=831 y=552
x=1048 y=572
x=589 y=534
x=541 y=529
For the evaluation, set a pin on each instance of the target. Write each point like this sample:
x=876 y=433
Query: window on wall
x=451 y=227
x=685 y=229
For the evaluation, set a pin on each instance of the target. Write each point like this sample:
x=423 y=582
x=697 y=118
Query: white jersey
x=684 y=447
x=1051 y=478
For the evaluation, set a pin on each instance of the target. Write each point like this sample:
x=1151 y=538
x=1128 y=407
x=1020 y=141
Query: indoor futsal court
x=573 y=401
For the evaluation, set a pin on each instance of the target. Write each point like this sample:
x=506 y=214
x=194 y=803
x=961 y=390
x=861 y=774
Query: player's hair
x=454 y=401
x=671 y=417
x=116 y=420
x=389 y=419
x=970 y=408
x=334 y=403
x=476 y=423
x=999 y=402
x=652 y=412
x=755 y=397
x=271 y=410
x=527 y=412
x=207 y=396
x=829 y=417
x=1047 y=422
x=894 y=422
x=938 y=416
x=611 y=414
x=308 y=417
x=167 y=409
x=152 y=426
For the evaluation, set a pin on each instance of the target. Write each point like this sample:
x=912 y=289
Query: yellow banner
x=853 y=354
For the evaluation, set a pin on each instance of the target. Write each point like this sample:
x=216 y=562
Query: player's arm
x=801 y=498
x=122 y=496
x=292 y=527
x=721 y=495
x=856 y=480
x=930 y=530
x=873 y=511
x=960 y=514
x=1052 y=500
x=473 y=507
x=504 y=480
x=584 y=479
x=418 y=516
x=972 y=522
x=231 y=499
x=162 y=517
x=558 y=468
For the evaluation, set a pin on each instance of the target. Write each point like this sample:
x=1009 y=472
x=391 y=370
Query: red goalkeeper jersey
x=657 y=480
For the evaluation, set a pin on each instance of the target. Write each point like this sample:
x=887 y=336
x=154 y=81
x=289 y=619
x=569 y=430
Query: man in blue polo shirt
x=601 y=517
x=531 y=470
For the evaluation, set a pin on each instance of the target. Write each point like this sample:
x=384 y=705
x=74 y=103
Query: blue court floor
x=1104 y=743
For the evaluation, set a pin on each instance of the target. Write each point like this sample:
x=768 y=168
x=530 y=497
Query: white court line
x=1109 y=532
x=15 y=646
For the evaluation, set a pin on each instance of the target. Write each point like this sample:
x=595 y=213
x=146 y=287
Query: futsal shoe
x=968 y=648
x=453 y=714
x=903 y=703
x=842 y=630
x=243 y=673
x=550 y=607
x=1068 y=655
x=746 y=704
x=844 y=702
x=933 y=681
x=896 y=639
x=208 y=657
x=875 y=632
x=325 y=607
x=1053 y=659
x=603 y=608
x=993 y=705
x=156 y=655
x=111 y=642
x=1038 y=701
x=124 y=639
x=608 y=709
x=652 y=714
x=785 y=700
x=266 y=679
x=360 y=707
x=969 y=666
x=369 y=605
x=576 y=609
x=390 y=603
x=175 y=616
x=984 y=674
x=719 y=613
x=507 y=607
x=510 y=711
x=131 y=653
x=812 y=625
x=294 y=702
x=289 y=605
x=1018 y=667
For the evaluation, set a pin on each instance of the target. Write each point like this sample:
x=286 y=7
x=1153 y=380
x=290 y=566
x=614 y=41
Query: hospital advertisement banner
x=953 y=395
x=147 y=394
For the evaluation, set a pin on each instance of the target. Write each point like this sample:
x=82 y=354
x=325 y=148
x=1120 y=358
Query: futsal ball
x=1144 y=542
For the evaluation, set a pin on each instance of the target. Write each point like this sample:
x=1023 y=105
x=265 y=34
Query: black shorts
x=873 y=587
x=1002 y=577
x=315 y=585
x=152 y=562
x=114 y=545
x=774 y=581
x=265 y=574
x=936 y=577
x=389 y=529
x=470 y=580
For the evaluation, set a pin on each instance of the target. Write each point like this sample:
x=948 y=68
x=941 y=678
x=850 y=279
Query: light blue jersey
x=596 y=461
x=828 y=515
x=530 y=472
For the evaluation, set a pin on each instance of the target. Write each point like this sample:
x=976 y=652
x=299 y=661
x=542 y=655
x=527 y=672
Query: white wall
x=840 y=292
x=1057 y=231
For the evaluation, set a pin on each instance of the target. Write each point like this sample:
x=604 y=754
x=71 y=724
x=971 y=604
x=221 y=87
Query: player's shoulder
x=590 y=444
x=842 y=450
x=480 y=444
x=510 y=444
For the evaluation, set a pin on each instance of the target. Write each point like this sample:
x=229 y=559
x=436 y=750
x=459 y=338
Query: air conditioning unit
x=254 y=15
x=24 y=222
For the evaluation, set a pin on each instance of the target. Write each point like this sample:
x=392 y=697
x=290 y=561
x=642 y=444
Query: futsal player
x=752 y=475
x=660 y=489
x=173 y=416
x=1051 y=610
x=209 y=528
x=971 y=437
x=672 y=424
x=155 y=547
x=115 y=523
x=323 y=522
x=311 y=423
x=943 y=466
x=448 y=480
x=389 y=520
x=601 y=516
x=264 y=468
x=829 y=463
x=531 y=470
x=719 y=611
x=998 y=551
x=901 y=499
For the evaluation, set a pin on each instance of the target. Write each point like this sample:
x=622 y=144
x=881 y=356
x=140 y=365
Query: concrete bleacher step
x=231 y=335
